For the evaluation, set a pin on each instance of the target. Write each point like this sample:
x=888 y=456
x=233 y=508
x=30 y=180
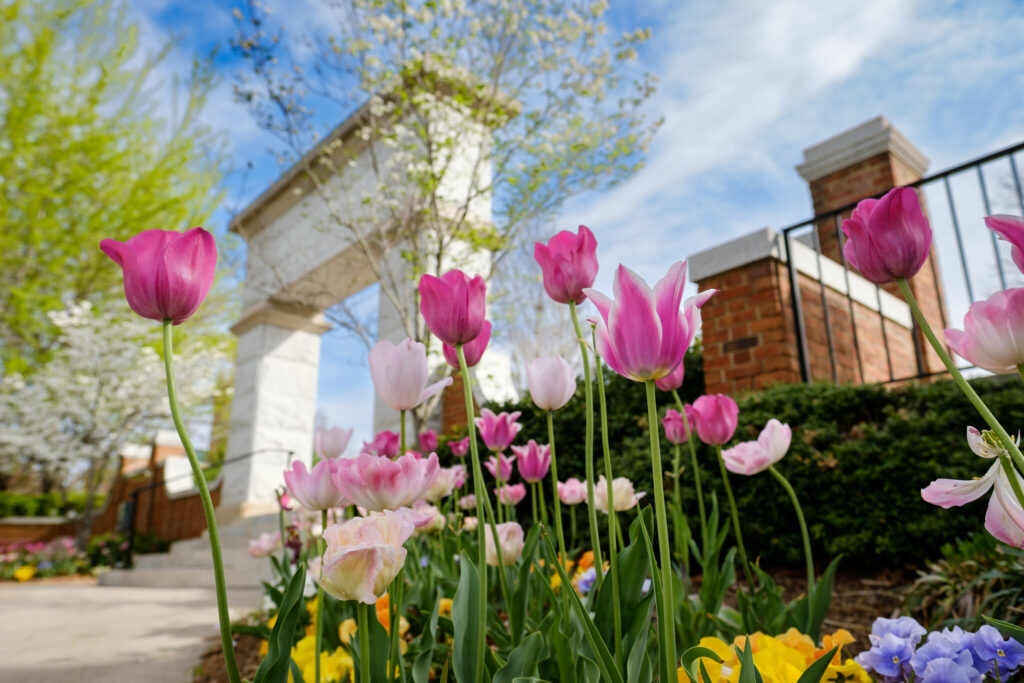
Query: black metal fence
x=846 y=326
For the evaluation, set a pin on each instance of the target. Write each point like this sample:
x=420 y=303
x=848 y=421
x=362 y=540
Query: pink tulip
x=888 y=238
x=400 y=374
x=510 y=494
x=672 y=380
x=1011 y=229
x=453 y=306
x=552 y=382
x=435 y=519
x=467 y=502
x=363 y=556
x=533 y=460
x=993 y=334
x=675 y=427
x=284 y=500
x=443 y=485
x=473 y=351
x=381 y=484
x=716 y=418
x=572 y=492
x=643 y=334
x=569 y=264
x=315 y=489
x=331 y=443
x=774 y=439
x=500 y=467
x=264 y=544
x=1004 y=518
x=460 y=474
x=167 y=274
x=428 y=441
x=624 y=498
x=746 y=458
x=498 y=431
x=385 y=444
x=510 y=536
x=460 y=447
x=470 y=523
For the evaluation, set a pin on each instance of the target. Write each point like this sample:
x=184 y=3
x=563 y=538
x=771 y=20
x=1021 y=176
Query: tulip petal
x=1011 y=229
x=948 y=493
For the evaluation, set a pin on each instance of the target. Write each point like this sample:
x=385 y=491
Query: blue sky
x=744 y=87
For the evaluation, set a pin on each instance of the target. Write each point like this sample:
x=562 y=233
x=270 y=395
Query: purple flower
x=887 y=656
x=906 y=628
x=941 y=646
x=996 y=652
x=586 y=581
x=945 y=670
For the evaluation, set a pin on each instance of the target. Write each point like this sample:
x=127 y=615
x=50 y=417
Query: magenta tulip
x=498 y=431
x=314 y=489
x=382 y=484
x=167 y=274
x=510 y=494
x=331 y=443
x=428 y=441
x=888 y=238
x=552 y=382
x=473 y=351
x=400 y=374
x=500 y=467
x=364 y=555
x=569 y=264
x=533 y=460
x=672 y=380
x=716 y=418
x=385 y=444
x=572 y=491
x=1011 y=229
x=453 y=306
x=643 y=334
x=675 y=427
x=460 y=447
x=993 y=334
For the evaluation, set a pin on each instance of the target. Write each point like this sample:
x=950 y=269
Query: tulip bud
x=572 y=492
x=400 y=374
x=453 y=306
x=473 y=350
x=888 y=238
x=510 y=536
x=551 y=381
x=498 y=431
x=622 y=490
x=331 y=443
x=533 y=460
x=569 y=264
x=716 y=418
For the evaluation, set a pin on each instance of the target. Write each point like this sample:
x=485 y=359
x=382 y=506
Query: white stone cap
x=167 y=437
x=135 y=450
x=769 y=243
x=861 y=142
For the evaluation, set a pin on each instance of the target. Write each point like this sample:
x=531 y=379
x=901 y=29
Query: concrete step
x=243 y=588
x=197 y=559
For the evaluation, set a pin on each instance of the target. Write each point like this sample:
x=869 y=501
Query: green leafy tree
x=86 y=152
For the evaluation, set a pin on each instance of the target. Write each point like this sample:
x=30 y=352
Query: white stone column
x=273 y=407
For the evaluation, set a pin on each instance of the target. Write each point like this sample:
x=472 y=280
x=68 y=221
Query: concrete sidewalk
x=52 y=633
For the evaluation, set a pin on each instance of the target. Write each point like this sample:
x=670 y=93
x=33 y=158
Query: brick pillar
x=865 y=161
x=453 y=405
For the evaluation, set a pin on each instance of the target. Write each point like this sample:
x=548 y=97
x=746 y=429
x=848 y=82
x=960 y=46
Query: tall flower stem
x=958 y=378
x=321 y=546
x=613 y=519
x=554 y=491
x=484 y=516
x=401 y=431
x=677 y=500
x=664 y=544
x=595 y=538
x=533 y=503
x=735 y=513
x=696 y=470
x=211 y=520
x=363 y=633
x=803 y=531
x=538 y=490
x=284 y=544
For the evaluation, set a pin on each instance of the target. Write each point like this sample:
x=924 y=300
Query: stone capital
x=286 y=316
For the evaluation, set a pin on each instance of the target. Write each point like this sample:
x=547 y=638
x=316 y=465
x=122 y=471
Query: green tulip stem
x=318 y=628
x=664 y=543
x=541 y=503
x=735 y=519
x=284 y=546
x=395 y=599
x=595 y=537
x=554 y=492
x=533 y=503
x=363 y=634
x=958 y=378
x=401 y=430
x=572 y=522
x=613 y=520
x=696 y=470
x=677 y=500
x=803 y=531
x=1011 y=474
x=211 y=520
x=1020 y=370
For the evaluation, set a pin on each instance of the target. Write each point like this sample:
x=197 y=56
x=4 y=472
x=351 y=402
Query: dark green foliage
x=42 y=505
x=860 y=456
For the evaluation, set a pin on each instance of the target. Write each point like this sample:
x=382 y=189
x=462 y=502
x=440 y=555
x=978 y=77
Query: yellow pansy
x=716 y=670
x=346 y=630
x=848 y=671
x=445 y=607
x=801 y=643
x=23 y=574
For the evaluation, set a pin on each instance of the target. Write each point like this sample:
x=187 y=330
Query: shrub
x=42 y=504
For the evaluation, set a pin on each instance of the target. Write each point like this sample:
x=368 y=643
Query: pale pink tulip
x=888 y=238
x=428 y=441
x=510 y=536
x=265 y=544
x=314 y=489
x=716 y=415
x=467 y=502
x=460 y=474
x=453 y=306
x=383 y=484
x=500 y=467
x=469 y=523
x=331 y=443
x=435 y=520
x=460 y=447
x=400 y=374
x=552 y=382
x=993 y=334
x=572 y=491
x=1011 y=229
x=498 y=431
x=443 y=485
x=533 y=460
x=568 y=263
x=511 y=494
x=775 y=438
x=364 y=555
x=624 y=497
x=167 y=274
x=473 y=350
x=746 y=457
x=642 y=333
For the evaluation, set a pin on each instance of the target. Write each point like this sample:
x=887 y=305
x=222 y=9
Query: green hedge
x=859 y=458
x=42 y=505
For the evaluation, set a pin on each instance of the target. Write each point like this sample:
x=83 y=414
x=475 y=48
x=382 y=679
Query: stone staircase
x=189 y=564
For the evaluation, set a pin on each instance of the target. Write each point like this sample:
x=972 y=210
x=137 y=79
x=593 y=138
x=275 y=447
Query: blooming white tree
x=103 y=389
